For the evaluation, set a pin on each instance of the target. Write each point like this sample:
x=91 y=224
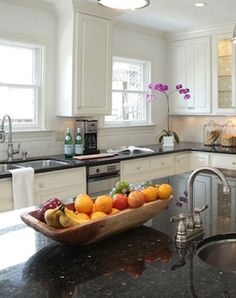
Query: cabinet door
x=162 y=166
x=6 y=195
x=64 y=184
x=191 y=68
x=135 y=171
x=93 y=65
x=224 y=75
x=199 y=159
x=182 y=163
x=223 y=211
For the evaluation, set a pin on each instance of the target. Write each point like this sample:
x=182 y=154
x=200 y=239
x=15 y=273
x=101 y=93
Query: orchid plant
x=162 y=88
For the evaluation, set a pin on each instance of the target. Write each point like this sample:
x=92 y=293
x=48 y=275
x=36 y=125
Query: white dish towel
x=23 y=187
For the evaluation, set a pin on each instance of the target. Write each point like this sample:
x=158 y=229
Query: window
x=20 y=83
x=129 y=88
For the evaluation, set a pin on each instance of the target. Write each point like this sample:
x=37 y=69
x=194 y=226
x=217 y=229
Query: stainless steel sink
x=219 y=251
x=43 y=163
x=4 y=167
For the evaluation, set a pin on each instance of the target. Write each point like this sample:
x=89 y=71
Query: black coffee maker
x=88 y=129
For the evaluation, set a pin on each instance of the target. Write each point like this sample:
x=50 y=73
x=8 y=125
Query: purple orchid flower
x=187 y=96
x=179 y=86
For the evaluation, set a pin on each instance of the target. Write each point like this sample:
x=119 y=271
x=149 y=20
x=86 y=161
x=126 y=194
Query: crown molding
x=198 y=32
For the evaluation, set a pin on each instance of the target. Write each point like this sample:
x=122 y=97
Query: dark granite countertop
x=142 y=262
x=157 y=148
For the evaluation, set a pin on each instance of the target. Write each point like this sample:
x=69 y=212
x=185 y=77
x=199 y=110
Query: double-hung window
x=20 y=84
x=130 y=80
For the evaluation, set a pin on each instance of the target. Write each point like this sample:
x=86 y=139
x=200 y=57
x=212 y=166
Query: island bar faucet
x=10 y=150
x=190 y=225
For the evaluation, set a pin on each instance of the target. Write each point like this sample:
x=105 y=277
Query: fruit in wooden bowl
x=104 y=220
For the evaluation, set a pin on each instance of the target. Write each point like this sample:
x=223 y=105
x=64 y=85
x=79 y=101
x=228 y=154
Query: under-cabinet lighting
x=124 y=5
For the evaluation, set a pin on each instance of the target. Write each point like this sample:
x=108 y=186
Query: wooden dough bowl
x=96 y=230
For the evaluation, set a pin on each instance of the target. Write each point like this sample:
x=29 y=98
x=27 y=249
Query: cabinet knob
x=41 y=185
x=233 y=163
x=138 y=168
x=162 y=163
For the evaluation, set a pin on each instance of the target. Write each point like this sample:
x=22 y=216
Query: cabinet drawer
x=223 y=161
x=162 y=166
x=59 y=180
x=135 y=171
x=199 y=159
x=136 y=166
x=161 y=162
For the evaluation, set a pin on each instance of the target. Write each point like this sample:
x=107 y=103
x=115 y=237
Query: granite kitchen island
x=142 y=262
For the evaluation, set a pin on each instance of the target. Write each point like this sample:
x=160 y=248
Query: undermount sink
x=219 y=251
x=43 y=163
x=5 y=167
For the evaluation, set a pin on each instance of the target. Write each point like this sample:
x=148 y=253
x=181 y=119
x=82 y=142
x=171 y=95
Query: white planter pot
x=168 y=141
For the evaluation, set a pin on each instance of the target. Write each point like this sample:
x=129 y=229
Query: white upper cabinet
x=224 y=75
x=190 y=66
x=84 y=65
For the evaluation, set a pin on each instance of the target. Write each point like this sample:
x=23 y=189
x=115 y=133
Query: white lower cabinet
x=199 y=159
x=225 y=161
x=6 y=201
x=224 y=206
x=143 y=169
x=63 y=184
x=182 y=163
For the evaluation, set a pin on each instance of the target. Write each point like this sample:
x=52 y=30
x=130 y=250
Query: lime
x=122 y=185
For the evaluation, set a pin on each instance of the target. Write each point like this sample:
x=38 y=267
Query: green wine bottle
x=79 y=144
x=68 y=144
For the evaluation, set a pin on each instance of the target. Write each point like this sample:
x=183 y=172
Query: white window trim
x=128 y=123
x=39 y=78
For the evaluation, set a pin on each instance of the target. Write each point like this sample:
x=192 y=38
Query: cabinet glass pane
x=224 y=73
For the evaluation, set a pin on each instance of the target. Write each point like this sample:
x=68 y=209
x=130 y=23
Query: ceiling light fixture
x=200 y=4
x=234 y=36
x=124 y=5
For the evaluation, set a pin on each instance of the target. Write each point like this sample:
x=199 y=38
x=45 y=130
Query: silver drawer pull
x=41 y=185
x=190 y=108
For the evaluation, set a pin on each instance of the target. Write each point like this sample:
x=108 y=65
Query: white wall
x=38 y=24
x=190 y=128
x=131 y=43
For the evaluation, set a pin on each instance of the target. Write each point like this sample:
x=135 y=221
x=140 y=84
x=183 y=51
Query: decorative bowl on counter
x=98 y=229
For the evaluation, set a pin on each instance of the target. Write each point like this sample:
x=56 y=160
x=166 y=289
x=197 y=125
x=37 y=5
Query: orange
x=83 y=216
x=83 y=203
x=165 y=191
x=150 y=193
x=114 y=211
x=104 y=203
x=98 y=214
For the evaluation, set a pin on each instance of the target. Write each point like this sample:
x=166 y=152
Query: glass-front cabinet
x=224 y=74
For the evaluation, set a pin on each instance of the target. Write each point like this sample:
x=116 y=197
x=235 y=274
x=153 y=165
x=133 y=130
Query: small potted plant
x=166 y=136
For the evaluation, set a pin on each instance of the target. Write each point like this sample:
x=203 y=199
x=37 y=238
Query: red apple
x=120 y=201
x=136 y=199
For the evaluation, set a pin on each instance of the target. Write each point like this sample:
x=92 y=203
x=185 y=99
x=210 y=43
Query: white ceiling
x=178 y=15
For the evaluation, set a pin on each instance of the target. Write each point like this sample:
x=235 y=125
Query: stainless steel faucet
x=10 y=150
x=190 y=225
